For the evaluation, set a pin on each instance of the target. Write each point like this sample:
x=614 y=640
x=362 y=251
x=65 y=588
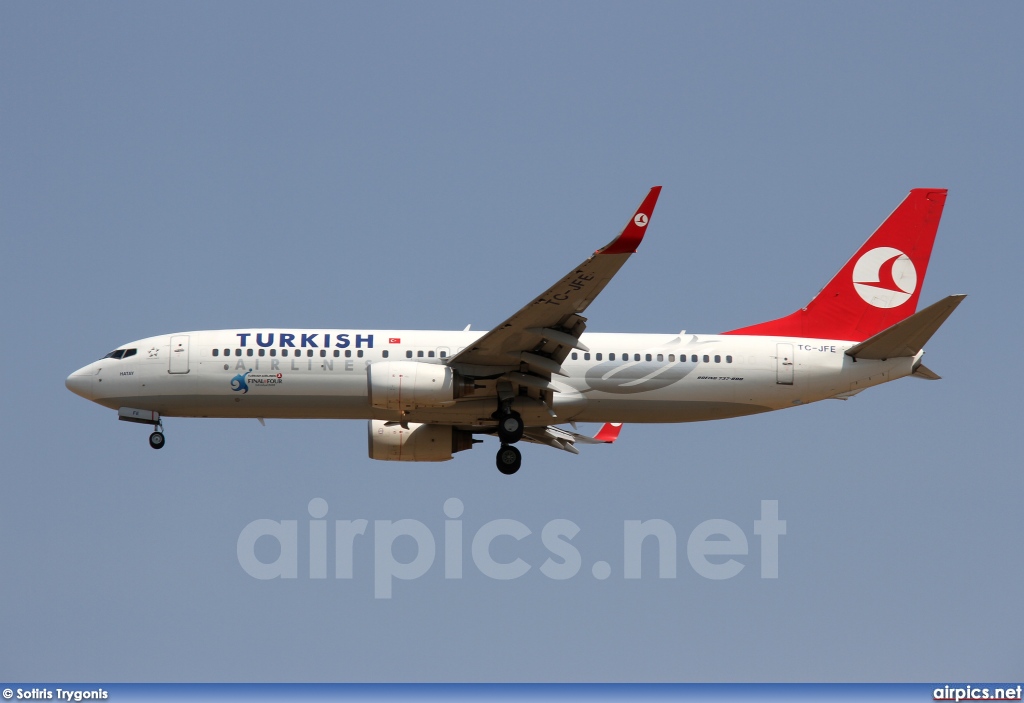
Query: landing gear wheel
x=156 y=440
x=509 y=459
x=510 y=428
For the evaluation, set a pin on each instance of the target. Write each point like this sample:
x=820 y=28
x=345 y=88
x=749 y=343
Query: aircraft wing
x=564 y=439
x=535 y=341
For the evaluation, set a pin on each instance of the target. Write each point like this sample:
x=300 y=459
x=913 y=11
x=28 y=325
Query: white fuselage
x=627 y=378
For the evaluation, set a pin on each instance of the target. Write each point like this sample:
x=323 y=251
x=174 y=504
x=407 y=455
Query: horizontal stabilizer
x=907 y=337
x=926 y=373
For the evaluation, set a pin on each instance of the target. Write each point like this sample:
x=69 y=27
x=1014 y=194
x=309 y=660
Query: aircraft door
x=179 y=354
x=784 y=364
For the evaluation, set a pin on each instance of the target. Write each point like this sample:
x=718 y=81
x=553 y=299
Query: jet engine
x=392 y=442
x=407 y=385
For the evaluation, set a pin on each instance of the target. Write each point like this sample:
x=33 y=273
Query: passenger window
x=323 y=352
x=408 y=354
x=586 y=357
x=216 y=352
x=348 y=353
x=718 y=359
x=636 y=357
x=262 y=352
x=248 y=352
x=383 y=353
x=284 y=352
x=430 y=354
x=598 y=356
x=661 y=357
x=671 y=357
x=706 y=358
x=647 y=357
x=693 y=358
x=227 y=352
x=238 y=352
x=360 y=353
x=728 y=359
x=419 y=354
x=575 y=356
x=273 y=352
x=444 y=354
x=611 y=356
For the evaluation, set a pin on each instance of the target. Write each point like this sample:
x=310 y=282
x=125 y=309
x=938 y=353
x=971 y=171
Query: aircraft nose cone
x=80 y=383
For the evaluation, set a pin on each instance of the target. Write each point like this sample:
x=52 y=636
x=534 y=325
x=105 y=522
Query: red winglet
x=610 y=431
x=633 y=234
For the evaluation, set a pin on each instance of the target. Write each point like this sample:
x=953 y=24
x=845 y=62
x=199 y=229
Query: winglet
x=609 y=432
x=633 y=234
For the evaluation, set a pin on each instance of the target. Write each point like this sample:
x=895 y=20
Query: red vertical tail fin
x=879 y=286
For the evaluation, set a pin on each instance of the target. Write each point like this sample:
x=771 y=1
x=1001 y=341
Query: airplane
x=427 y=394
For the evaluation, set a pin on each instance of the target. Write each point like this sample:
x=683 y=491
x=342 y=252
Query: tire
x=156 y=440
x=510 y=428
x=509 y=459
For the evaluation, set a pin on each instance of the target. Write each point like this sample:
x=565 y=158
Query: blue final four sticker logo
x=238 y=382
x=242 y=381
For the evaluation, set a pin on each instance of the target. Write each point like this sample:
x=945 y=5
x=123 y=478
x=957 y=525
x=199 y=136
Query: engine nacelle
x=407 y=385
x=392 y=442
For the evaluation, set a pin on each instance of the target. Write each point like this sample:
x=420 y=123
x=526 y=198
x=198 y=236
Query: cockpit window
x=120 y=354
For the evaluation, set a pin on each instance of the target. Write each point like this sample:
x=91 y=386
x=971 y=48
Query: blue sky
x=168 y=167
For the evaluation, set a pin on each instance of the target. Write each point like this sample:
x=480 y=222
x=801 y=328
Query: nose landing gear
x=145 y=417
x=156 y=440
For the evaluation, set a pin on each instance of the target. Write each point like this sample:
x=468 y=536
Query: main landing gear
x=509 y=459
x=510 y=427
x=510 y=431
